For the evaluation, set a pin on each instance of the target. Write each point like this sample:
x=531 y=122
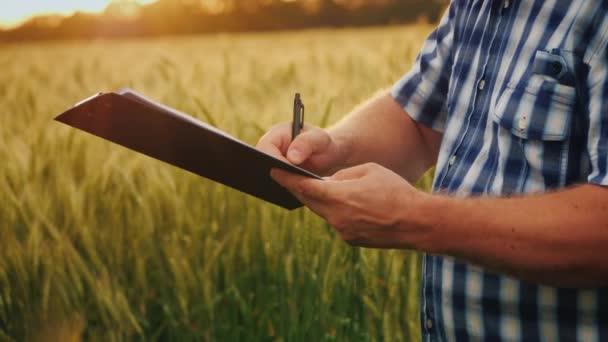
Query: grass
x=100 y=243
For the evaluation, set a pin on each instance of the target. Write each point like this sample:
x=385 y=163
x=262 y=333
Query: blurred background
x=101 y=243
x=65 y=19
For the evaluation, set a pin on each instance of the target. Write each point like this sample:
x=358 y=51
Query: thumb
x=307 y=144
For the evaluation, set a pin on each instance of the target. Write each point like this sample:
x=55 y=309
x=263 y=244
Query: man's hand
x=368 y=204
x=403 y=146
x=314 y=149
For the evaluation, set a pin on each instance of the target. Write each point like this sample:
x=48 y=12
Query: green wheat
x=102 y=243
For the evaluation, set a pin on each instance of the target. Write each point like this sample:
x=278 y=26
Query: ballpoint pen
x=298 y=117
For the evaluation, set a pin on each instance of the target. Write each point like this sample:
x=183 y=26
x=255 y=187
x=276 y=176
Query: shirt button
x=452 y=160
x=429 y=324
x=556 y=67
x=482 y=84
x=522 y=124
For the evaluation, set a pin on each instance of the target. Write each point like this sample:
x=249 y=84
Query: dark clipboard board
x=140 y=124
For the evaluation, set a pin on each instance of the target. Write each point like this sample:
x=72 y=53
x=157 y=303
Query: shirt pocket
x=538 y=109
x=534 y=116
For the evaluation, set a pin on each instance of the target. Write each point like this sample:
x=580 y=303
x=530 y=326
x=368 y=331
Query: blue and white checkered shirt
x=519 y=89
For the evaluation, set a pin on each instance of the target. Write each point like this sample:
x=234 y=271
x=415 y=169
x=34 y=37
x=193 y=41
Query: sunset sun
x=14 y=12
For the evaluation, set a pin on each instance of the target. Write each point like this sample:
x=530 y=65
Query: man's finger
x=318 y=207
x=288 y=180
x=277 y=139
x=354 y=172
x=271 y=149
x=306 y=144
x=303 y=186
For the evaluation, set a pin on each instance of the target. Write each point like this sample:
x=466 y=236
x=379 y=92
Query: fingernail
x=295 y=156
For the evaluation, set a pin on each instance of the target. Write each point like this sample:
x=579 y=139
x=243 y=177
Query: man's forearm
x=559 y=238
x=380 y=131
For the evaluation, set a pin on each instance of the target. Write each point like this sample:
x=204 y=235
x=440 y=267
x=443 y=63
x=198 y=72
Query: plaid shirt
x=519 y=89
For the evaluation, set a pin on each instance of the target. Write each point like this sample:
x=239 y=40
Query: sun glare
x=15 y=12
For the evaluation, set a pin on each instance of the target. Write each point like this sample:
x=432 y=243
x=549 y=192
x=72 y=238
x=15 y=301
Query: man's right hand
x=313 y=149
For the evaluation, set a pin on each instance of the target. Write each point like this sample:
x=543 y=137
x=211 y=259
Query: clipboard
x=140 y=124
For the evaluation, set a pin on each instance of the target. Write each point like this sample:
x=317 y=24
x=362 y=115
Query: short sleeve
x=597 y=134
x=423 y=91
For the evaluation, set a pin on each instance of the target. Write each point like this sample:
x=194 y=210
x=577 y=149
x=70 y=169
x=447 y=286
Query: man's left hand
x=369 y=205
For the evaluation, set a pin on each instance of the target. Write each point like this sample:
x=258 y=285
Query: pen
x=298 y=117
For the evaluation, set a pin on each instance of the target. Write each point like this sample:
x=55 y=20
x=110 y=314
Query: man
x=509 y=98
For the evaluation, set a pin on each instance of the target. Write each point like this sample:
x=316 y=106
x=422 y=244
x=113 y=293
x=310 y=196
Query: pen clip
x=302 y=115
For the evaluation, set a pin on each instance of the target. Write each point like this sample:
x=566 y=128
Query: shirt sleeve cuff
x=418 y=108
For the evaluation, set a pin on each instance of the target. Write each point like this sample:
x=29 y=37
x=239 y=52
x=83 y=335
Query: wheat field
x=100 y=243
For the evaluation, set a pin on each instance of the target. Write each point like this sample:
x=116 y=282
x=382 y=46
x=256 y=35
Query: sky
x=14 y=12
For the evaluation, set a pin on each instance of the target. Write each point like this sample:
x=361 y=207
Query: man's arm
x=381 y=131
x=378 y=131
x=558 y=238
